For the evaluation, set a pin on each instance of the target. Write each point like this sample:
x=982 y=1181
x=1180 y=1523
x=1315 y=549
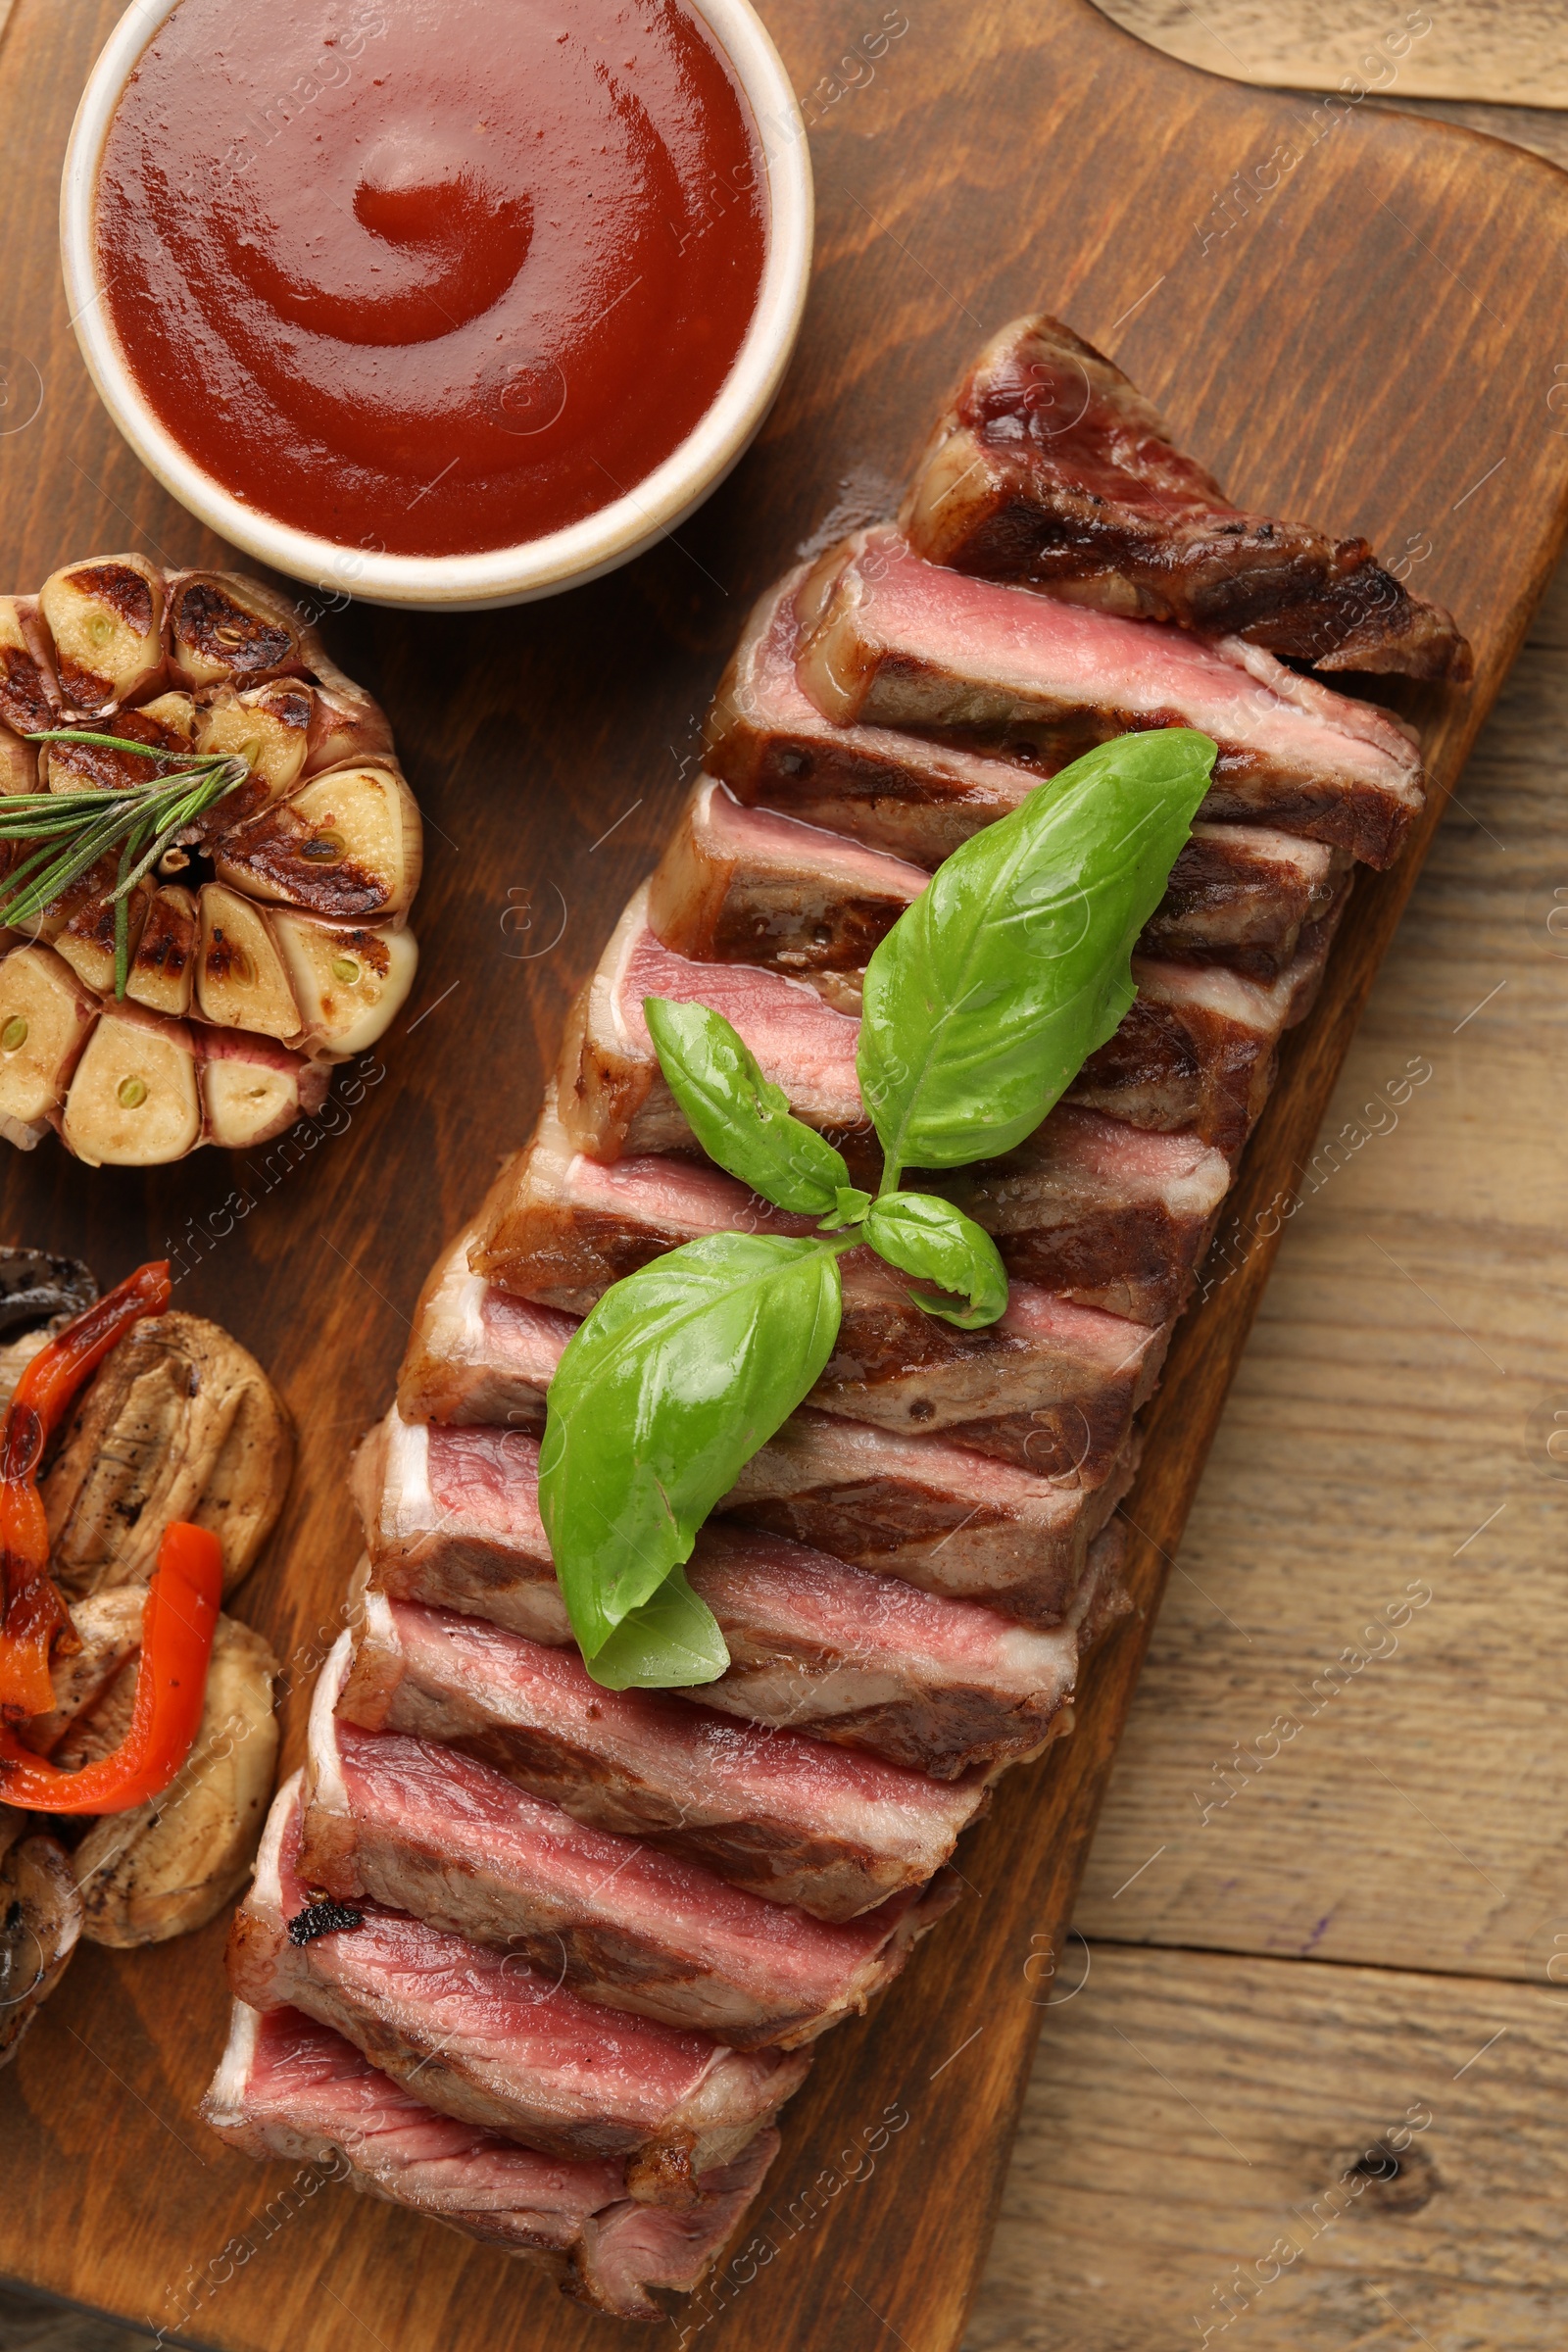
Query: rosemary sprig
x=68 y=832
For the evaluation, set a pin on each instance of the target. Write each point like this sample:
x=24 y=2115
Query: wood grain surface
x=1510 y=51
x=1309 y=349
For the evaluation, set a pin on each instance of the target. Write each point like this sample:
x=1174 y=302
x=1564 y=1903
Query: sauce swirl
x=432 y=276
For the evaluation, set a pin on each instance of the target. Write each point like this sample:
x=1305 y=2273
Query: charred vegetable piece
x=241 y=980
x=227 y=629
x=346 y=725
x=107 y=1631
x=40 y=1922
x=40 y=1291
x=87 y=940
x=252 y=1090
x=19 y=772
x=345 y=845
x=105 y=619
x=89 y=766
x=173 y=1862
x=28 y=695
x=181 y=1423
x=32 y=1611
x=46 y=1016
x=179 y=1624
x=162 y=966
x=133 y=1102
x=349 y=984
x=267 y=726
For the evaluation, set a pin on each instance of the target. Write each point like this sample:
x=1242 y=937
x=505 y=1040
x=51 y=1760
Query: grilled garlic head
x=207 y=1002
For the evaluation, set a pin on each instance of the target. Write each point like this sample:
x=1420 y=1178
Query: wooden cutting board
x=1352 y=316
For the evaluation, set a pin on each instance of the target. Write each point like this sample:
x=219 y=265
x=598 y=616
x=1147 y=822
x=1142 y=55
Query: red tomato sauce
x=431 y=276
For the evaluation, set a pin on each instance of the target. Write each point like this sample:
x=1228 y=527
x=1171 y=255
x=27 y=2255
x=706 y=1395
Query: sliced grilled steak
x=487 y=2038
x=478 y=1352
x=773 y=1811
x=286 y=2086
x=452 y=1520
x=744 y=885
x=1051 y=468
x=612 y=1098
x=897 y=642
x=440 y=1836
x=1107 y=1214
x=939 y=1516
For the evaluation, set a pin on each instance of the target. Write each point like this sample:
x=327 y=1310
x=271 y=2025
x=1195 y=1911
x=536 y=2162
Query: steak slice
x=288 y=2087
x=452 y=1520
x=1050 y=468
x=478 y=1352
x=785 y=1816
x=897 y=642
x=1109 y=1215
x=744 y=885
x=483 y=2037
x=439 y=1835
x=612 y=1098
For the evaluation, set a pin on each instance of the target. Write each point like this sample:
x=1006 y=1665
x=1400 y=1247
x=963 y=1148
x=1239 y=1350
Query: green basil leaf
x=662 y=1396
x=849 y=1208
x=741 y=1118
x=670 y=1643
x=922 y=1235
x=995 y=985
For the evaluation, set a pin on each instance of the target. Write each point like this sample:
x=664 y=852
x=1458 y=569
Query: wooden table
x=1264 y=1994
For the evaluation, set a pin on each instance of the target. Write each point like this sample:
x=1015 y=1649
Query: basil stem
x=998 y=982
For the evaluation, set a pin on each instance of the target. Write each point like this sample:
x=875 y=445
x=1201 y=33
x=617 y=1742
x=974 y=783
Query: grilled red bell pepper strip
x=176 y=1641
x=32 y=1611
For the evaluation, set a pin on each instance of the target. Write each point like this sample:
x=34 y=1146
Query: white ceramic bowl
x=508 y=575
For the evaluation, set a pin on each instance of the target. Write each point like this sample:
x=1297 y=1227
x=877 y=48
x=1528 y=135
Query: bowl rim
x=563 y=559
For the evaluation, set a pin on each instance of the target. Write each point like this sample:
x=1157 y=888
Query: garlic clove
x=162 y=969
x=252 y=1090
x=226 y=628
x=76 y=767
x=347 y=845
x=350 y=983
x=45 y=1016
x=267 y=726
x=29 y=694
x=241 y=982
x=133 y=1102
x=87 y=940
x=346 y=725
x=106 y=621
x=19 y=762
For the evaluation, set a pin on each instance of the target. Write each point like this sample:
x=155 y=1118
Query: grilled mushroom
x=252 y=1090
x=105 y=619
x=349 y=984
x=167 y=1867
x=181 y=1423
x=40 y=1922
x=241 y=980
x=347 y=844
x=38 y=1293
x=133 y=1102
x=46 y=1016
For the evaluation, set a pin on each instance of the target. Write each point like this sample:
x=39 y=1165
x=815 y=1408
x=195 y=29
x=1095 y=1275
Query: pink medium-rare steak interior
x=748 y=885
x=827 y=1827
x=289 y=2088
x=444 y=1837
x=1109 y=1215
x=816 y=1644
x=492 y=2041
x=1050 y=467
x=478 y=1353
x=906 y=642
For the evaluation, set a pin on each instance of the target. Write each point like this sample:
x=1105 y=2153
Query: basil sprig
x=980 y=1005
